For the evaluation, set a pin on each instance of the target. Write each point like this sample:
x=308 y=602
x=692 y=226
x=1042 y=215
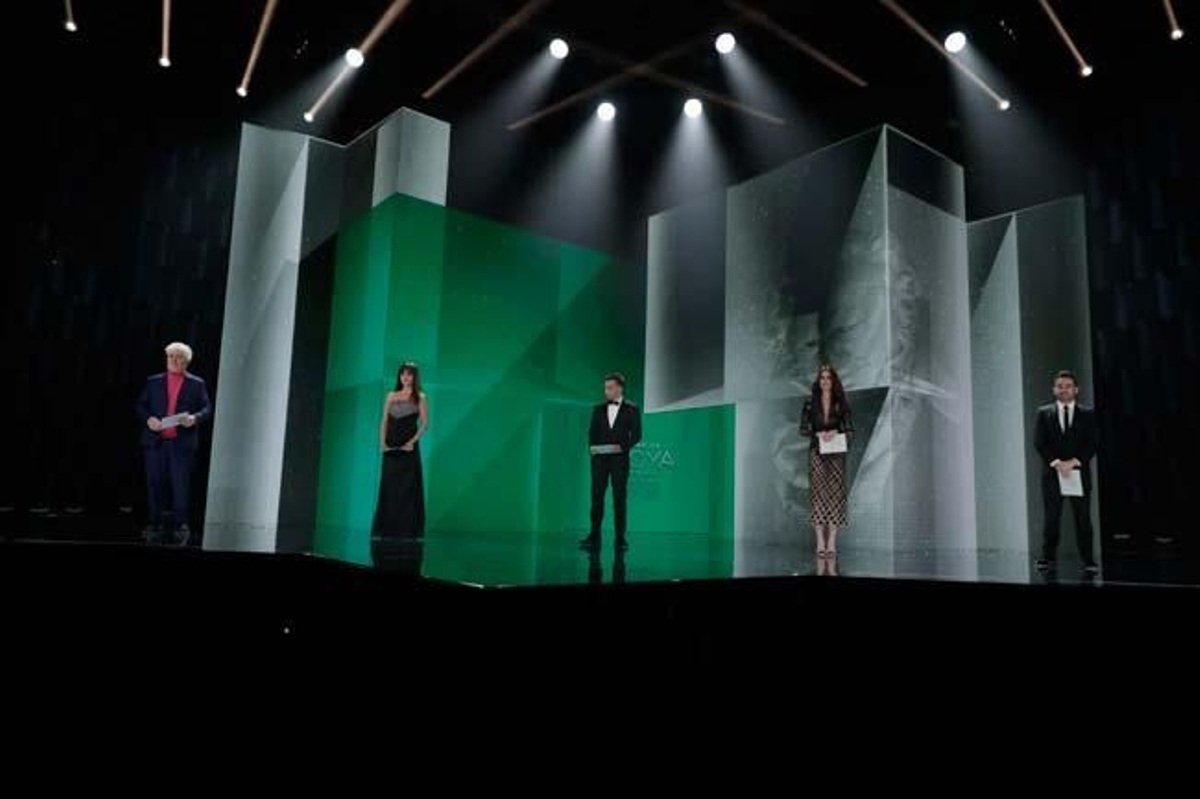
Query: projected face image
x=854 y=318
x=789 y=459
x=906 y=294
x=793 y=339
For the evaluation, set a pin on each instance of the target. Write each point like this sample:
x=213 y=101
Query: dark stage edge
x=116 y=594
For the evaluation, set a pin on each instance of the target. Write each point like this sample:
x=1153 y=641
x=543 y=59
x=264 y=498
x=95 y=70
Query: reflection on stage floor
x=498 y=560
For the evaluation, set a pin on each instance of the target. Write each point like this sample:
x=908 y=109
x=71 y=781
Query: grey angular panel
x=857 y=255
x=803 y=265
x=256 y=341
x=772 y=499
x=931 y=381
x=293 y=193
x=1055 y=327
x=685 y=305
x=412 y=156
x=1001 y=409
x=1029 y=319
x=923 y=172
x=854 y=321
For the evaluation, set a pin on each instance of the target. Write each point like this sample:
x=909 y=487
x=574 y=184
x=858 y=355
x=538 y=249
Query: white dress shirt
x=1066 y=412
x=612 y=413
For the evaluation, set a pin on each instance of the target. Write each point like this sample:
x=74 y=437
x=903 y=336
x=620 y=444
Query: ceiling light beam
x=1002 y=103
x=1085 y=68
x=517 y=20
x=765 y=22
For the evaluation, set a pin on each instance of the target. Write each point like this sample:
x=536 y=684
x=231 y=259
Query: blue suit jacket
x=193 y=399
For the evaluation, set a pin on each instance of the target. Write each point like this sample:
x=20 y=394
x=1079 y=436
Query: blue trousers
x=168 y=468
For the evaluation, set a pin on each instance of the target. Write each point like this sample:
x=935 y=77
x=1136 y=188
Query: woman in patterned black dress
x=826 y=413
x=400 y=511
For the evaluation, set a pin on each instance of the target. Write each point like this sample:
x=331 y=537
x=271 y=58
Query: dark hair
x=409 y=366
x=837 y=390
x=616 y=377
x=1066 y=374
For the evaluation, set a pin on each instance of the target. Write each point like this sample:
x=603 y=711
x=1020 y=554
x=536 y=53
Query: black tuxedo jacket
x=1079 y=441
x=626 y=430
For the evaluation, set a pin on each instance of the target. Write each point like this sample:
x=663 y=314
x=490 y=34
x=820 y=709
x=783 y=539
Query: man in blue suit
x=171 y=406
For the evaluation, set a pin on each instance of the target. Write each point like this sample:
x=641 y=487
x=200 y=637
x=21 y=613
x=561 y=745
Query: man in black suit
x=616 y=428
x=1065 y=438
x=171 y=406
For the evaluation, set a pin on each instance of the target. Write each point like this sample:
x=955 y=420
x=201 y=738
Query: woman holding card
x=825 y=421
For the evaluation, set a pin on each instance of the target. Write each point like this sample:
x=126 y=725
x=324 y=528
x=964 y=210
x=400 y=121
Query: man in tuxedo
x=175 y=395
x=1065 y=438
x=616 y=429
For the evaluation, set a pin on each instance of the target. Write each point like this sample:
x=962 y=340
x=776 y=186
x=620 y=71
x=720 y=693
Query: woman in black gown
x=400 y=511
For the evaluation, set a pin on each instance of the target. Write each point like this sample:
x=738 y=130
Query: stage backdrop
x=513 y=333
x=293 y=193
x=855 y=254
x=858 y=253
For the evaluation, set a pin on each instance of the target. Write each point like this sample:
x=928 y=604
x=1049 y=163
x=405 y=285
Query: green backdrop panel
x=513 y=333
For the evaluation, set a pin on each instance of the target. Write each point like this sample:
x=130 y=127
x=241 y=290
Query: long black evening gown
x=400 y=511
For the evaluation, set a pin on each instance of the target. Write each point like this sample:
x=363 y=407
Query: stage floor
x=523 y=560
x=543 y=559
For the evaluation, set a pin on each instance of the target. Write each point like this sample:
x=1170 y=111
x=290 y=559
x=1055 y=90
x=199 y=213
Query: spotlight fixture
x=1173 y=21
x=263 y=25
x=355 y=57
x=648 y=70
x=1085 y=68
x=606 y=111
x=513 y=23
x=725 y=43
x=760 y=19
x=1004 y=105
x=693 y=108
x=956 y=41
x=559 y=49
x=164 y=58
x=920 y=30
x=69 y=18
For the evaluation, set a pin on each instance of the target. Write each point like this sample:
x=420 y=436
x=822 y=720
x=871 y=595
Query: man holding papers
x=1064 y=435
x=616 y=428
x=171 y=406
x=825 y=421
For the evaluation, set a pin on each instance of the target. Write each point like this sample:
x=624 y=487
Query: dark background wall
x=122 y=245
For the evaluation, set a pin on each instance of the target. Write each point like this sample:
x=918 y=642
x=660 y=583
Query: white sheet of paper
x=1072 y=484
x=172 y=421
x=833 y=446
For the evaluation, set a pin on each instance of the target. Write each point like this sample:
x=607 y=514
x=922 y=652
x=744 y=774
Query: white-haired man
x=172 y=406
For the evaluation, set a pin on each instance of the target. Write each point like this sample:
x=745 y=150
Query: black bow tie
x=614 y=402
